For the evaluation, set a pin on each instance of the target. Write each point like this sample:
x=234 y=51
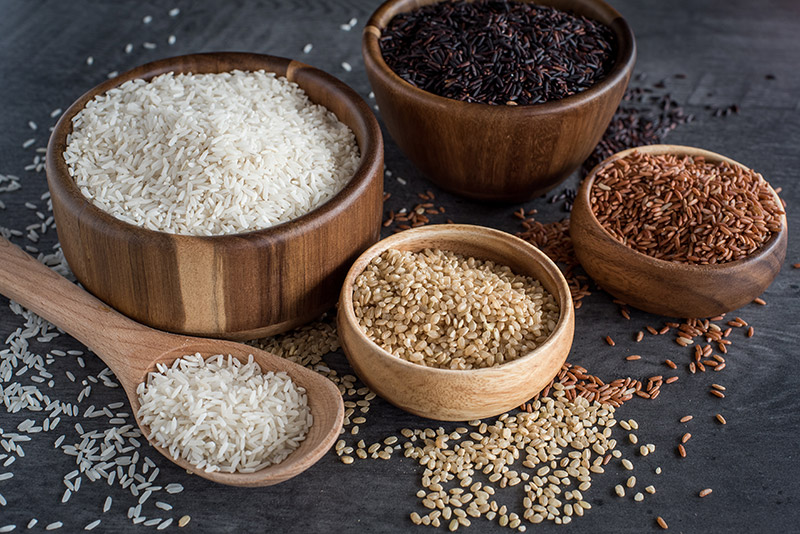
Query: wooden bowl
x=663 y=287
x=454 y=395
x=502 y=153
x=236 y=286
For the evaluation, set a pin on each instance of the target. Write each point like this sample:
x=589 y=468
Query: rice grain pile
x=440 y=309
x=222 y=415
x=685 y=209
x=209 y=154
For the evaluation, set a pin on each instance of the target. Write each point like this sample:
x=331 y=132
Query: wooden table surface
x=726 y=52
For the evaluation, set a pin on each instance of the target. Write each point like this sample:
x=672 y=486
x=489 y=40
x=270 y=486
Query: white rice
x=222 y=415
x=209 y=154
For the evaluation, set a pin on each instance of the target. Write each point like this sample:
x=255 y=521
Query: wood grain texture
x=459 y=395
x=237 y=286
x=504 y=153
x=663 y=287
x=132 y=350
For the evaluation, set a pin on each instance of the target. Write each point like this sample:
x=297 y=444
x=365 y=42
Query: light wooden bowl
x=503 y=153
x=235 y=286
x=453 y=395
x=664 y=287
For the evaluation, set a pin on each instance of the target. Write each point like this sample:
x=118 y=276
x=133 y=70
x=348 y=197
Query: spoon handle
x=124 y=345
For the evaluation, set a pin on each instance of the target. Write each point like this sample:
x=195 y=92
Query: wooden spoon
x=131 y=350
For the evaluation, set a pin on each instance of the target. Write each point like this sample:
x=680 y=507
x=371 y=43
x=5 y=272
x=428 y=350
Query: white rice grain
x=218 y=153
x=228 y=416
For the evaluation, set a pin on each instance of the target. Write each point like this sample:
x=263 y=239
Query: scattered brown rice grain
x=183 y=521
x=639 y=336
x=760 y=301
x=661 y=522
x=633 y=357
x=627 y=464
x=705 y=492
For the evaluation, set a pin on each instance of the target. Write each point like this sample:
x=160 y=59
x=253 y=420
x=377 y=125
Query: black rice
x=497 y=52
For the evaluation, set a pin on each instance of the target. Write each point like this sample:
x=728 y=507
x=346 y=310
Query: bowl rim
x=766 y=250
x=566 y=316
x=371 y=153
x=623 y=64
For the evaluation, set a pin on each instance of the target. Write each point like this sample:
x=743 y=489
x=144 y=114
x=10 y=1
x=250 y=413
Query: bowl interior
x=321 y=88
x=767 y=249
x=594 y=9
x=480 y=243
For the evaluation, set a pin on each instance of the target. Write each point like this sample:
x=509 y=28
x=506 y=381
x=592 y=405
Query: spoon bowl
x=132 y=350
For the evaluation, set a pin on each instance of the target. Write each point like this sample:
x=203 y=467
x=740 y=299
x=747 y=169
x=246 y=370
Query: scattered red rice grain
x=721 y=419
x=669 y=363
x=610 y=341
x=716 y=393
x=682 y=451
x=652 y=330
x=686 y=437
x=661 y=522
x=554 y=240
x=633 y=357
x=751 y=331
x=671 y=379
x=759 y=301
x=639 y=336
x=686 y=418
x=718 y=387
x=796 y=266
x=705 y=492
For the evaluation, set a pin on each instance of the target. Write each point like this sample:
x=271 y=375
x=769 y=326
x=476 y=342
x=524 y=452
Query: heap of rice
x=209 y=154
x=222 y=415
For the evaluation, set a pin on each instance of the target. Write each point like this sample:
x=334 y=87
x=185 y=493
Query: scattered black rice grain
x=497 y=52
x=644 y=117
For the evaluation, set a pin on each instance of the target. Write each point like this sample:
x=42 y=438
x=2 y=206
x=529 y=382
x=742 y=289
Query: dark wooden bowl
x=236 y=286
x=503 y=153
x=452 y=395
x=664 y=287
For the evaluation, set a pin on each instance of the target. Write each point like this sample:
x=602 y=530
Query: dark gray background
x=724 y=47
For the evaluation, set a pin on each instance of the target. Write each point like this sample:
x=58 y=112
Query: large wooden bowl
x=453 y=395
x=663 y=287
x=503 y=153
x=235 y=286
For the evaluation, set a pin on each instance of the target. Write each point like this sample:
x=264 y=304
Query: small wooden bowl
x=452 y=395
x=502 y=153
x=236 y=286
x=664 y=287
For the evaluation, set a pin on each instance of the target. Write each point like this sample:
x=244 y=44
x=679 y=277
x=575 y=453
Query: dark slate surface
x=726 y=49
